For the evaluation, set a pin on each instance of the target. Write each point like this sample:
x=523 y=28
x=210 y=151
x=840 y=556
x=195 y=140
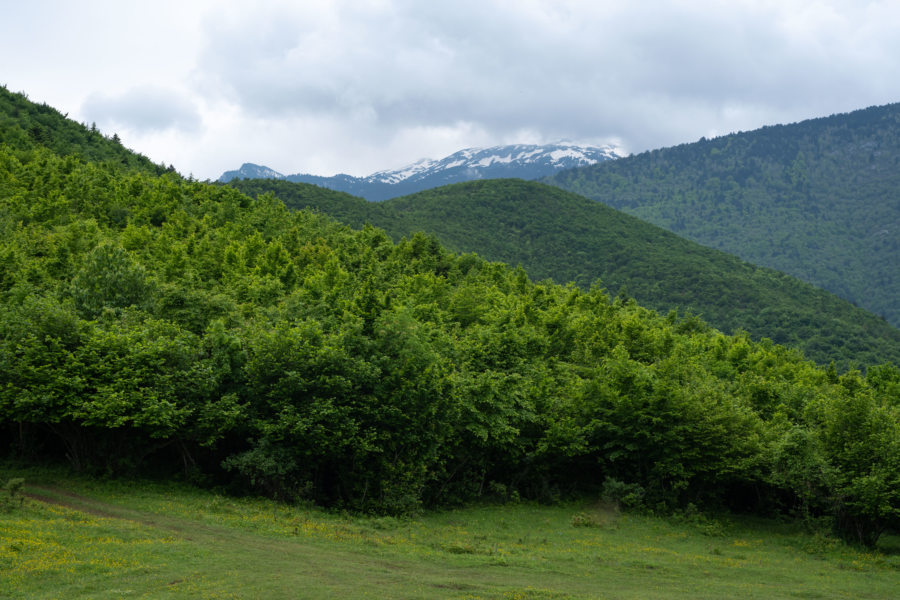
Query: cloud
x=144 y=109
x=651 y=73
x=364 y=85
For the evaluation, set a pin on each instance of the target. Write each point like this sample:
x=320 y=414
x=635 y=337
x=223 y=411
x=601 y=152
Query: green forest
x=819 y=199
x=152 y=324
x=557 y=235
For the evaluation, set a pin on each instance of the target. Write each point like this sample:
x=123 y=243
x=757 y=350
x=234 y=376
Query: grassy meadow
x=78 y=538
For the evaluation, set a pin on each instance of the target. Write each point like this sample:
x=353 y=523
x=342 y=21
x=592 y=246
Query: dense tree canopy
x=558 y=235
x=152 y=322
x=819 y=200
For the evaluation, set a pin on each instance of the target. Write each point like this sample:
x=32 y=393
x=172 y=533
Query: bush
x=12 y=494
x=621 y=494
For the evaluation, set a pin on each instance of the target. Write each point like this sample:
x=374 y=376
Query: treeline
x=26 y=125
x=819 y=199
x=557 y=235
x=154 y=323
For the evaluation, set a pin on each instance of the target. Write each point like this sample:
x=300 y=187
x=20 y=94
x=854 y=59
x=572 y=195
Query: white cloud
x=143 y=109
x=359 y=86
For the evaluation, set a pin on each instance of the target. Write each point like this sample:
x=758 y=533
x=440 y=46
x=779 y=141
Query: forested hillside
x=819 y=200
x=151 y=324
x=25 y=125
x=558 y=235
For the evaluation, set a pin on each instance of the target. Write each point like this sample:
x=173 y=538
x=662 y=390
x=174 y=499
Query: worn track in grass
x=275 y=567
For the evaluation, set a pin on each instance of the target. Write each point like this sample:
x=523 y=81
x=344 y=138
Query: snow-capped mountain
x=523 y=161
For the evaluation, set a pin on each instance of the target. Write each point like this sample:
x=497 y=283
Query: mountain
x=521 y=161
x=819 y=199
x=556 y=234
x=251 y=171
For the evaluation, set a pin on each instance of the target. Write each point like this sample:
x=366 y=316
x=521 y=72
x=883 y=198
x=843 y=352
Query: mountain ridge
x=523 y=161
x=818 y=199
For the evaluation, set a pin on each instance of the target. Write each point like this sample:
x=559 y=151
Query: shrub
x=621 y=494
x=11 y=496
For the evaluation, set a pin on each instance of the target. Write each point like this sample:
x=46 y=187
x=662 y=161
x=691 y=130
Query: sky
x=360 y=86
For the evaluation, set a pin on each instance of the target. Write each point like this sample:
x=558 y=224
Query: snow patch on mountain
x=527 y=158
x=398 y=175
x=523 y=161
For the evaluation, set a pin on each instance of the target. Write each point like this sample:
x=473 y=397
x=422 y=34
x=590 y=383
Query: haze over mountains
x=819 y=199
x=523 y=161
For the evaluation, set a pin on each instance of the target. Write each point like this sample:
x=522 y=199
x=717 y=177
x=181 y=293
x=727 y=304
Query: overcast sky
x=360 y=86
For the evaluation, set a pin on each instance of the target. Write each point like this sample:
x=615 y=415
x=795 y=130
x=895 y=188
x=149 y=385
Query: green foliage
x=816 y=199
x=11 y=494
x=109 y=279
x=149 y=323
x=26 y=126
x=860 y=437
x=621 y=494
x=558 y=235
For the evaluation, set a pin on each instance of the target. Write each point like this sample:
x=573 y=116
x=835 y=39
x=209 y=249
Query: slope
x=556 y=234
x=150 y=324
x=26 y=125
x=819 y=199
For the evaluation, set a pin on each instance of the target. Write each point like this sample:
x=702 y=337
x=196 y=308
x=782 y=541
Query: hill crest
x=555 y=234
x=818 y=199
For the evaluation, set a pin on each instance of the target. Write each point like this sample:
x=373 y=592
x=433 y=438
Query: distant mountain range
x=522 y=161
x=819 y=199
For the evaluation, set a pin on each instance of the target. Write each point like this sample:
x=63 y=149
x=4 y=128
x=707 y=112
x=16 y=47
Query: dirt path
x=269 y=565
x=51 y=494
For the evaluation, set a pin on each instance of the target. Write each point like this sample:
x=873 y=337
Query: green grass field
x=77 y=538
